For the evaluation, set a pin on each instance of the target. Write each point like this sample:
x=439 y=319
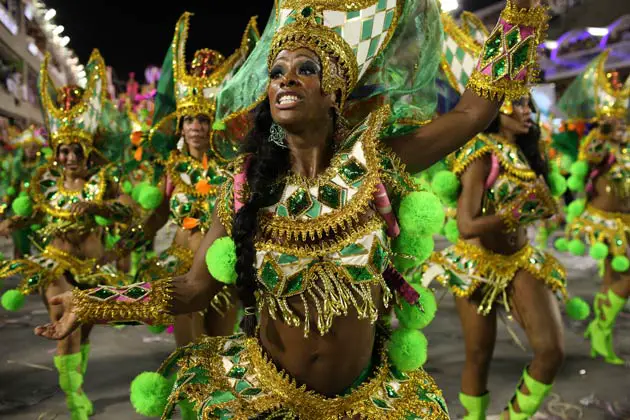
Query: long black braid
x=267 y=164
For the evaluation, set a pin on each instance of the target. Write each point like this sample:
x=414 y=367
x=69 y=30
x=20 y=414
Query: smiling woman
x=305 y=222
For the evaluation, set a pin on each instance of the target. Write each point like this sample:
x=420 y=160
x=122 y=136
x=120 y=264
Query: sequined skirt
x=39 y=270
x=232 y=378
x=464 y=268
x=172 y=262
x=598 y=226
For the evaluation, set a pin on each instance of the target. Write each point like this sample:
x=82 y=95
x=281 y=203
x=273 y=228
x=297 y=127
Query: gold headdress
x=28 y=136
x=195 y=91
x=592 y=95
x=72 y=114
x=345 y=35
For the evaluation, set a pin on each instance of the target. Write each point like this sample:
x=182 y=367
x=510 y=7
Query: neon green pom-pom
x=561 y=244
x=578 y=309
x=446 y=185
x=417 y=316
x=577 y=247
x=102 y=221
x=221 y=260
x=579 y=169
x=557 y=184
x=137 y=190
x=156 y=329
x=421 y=213
x=11 y=191
x=575 y=184
x=413 y=250
x=620 y=263
x=47 y=152
x=576 y=208
x=417 y=277
x=127 y=187
x=149 y=393
x=13 y=300
x=150 y=197
x=22 y=206
x=407 y=349
x=451 y=231
x=599 y=251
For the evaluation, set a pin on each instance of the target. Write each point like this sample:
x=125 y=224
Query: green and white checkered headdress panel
x=459 y=54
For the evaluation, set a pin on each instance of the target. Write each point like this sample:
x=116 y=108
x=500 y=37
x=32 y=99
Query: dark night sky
x=132 y=34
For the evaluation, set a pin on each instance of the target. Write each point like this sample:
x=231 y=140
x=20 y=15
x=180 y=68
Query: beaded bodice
x=195 y=190
x=596 y=151
x=513 y=181
x=322 y=242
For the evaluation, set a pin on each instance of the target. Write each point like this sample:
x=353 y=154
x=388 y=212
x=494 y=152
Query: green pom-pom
x=561 y=244
x=137 y=190
x=47 y=152
x=451 y=231
x=576 y=208
x=407 y=349
x=578 y=309
x=102 y=221
x=577 y=247
x=150 y=197
x=417 y=316
x=620 y=263
x=575 y=184
x=221 y=260
x=446 y=185
x=599 y=251
x=127 y=187
x=412 y=250
x=579 y=169
x=11 y=191
x=156 y=329
x=421 y=213
x=22 y=206
x=416 y=277
x=149 y=393
x=13 y=300
x=557 y=184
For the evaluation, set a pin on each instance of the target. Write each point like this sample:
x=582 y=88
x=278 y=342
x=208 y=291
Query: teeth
x=288 y=99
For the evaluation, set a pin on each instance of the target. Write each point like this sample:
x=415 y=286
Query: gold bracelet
x=146 y=303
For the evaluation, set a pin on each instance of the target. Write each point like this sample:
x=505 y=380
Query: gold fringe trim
x=153 y=307
x=496 y=272
x=505 y=88
x=332 y=299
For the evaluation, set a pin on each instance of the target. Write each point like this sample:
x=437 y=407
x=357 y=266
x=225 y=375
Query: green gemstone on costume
x=237 y=372
x=251 y=392
x=222 y=414
x=242 y=386
x=379 y=257
x=307 y=11
x=295 y=283
x=330 y=195
x=398 y=375
x=287 y=259
x=391 y=392
x=499 y=68
x=51 y=195
x=315 y=210
x=492 y=47
x=353 y=249
x=520 y=56
x=103 y=294
x=186 y=208
x=380 y=404
x=136 y=292
x=299 y=202
x=503 y=192
x=513 y=37
x=195 y=177
x=33 y=280
x=15 y=265
x=359 y=273
x=182 y=167
x=47 y=183
x=352 y=171
x=270 y=276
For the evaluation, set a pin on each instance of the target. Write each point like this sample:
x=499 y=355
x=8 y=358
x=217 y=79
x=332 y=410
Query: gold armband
x=144 y=303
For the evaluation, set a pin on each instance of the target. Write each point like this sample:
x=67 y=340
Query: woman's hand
x=84 y=208
x=60 y=329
